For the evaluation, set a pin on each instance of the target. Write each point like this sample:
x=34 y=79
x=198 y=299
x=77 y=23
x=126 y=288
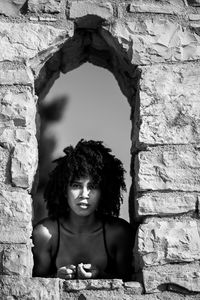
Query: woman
x=83 y=236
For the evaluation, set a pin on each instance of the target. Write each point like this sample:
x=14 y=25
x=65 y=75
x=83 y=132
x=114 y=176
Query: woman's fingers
x=87 y=271
x=67 y=272
x=82 y=273
x=87 y=266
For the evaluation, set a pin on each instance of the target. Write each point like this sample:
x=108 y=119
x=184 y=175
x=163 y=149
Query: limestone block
x=133 y=288
x=157 y=203
x=97 y=295
x=92 y=284
x=9 y=136
x=15 y=232
x=24 y=164
x=18 y=106
x=156 y=40
x=23 y=288
x=11 y=7
x=161 y=7
x=169 y=110
x=84 y=8
x=15 y=205
x=168 y=241
x=92 y=295
x=168 y=168
x=186 y=276
x=47 y=6
x=195 y=3
x=16 y=259
x=22 y=41
x=4 y=164
x=15 y=73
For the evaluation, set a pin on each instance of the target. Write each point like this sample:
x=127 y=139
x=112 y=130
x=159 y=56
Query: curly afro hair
x=88 y=159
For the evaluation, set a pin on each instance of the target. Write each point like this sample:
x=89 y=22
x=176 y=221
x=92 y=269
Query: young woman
x=83 y=236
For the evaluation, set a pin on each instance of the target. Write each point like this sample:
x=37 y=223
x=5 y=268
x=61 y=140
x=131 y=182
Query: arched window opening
x=98 y=47
x=86 y=103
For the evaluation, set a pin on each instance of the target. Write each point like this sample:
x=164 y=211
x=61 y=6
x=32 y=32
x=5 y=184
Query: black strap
x=58 y=240
x=105 y=242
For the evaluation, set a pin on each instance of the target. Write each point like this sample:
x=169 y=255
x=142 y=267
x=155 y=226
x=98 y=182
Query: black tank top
x=110 y=267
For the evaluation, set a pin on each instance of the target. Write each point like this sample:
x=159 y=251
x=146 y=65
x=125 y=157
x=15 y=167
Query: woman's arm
x=41 y=251
x=123 y=237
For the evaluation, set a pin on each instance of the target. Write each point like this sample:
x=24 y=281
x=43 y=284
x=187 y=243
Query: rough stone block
x=11 y=7
x=23 y=288
x=96 y=295
x=18 y=107
x=92 y=284
x=24 y=164
x=133 y=288
x=186 y=276
x=15 y=205
x=156 y=40
x=157 y=203
x=168 y=241
x=15 y=232
x=169 y=109
x=11 y=74
x=195 y=3
x=4 y=164
x=168 y=168
x=160 y=7
x=22 y=41
x=16 y=259
x=10 y=136
x=46 y=6
x=84 y=8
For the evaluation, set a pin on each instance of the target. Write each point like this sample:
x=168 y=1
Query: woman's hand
x=67 y=272
x=87 y=271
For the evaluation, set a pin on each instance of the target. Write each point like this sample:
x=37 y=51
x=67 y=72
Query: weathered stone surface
x=11 y=74
x=22 y=41
x=161 y=7
x=11 y=7
x=10 y=136
x=18 y=107
x=195 y=3
x=16 y=259
x=186 y=276
x=15 y=205
x=24 y=288
x=96 y=295
x=92 y=284
x=168 y=168
x=169 y=110
x=24 y=164
x=156 y=40
x=103 y=10
x=157 y=203
x=133 y=288
x=15 y=232
x=168 y=241
x=50 y=6
x=4 y=164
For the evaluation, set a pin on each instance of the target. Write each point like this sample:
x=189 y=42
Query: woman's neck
x=80 y=224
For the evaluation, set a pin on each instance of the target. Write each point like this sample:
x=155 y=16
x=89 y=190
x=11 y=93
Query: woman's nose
x=85 y=192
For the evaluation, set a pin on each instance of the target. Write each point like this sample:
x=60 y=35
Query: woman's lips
x=83 y=205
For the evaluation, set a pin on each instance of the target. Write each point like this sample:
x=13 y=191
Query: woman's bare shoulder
x=45 y=228
x=118 y=226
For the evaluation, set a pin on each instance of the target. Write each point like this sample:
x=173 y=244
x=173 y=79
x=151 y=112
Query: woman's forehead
x=83 y=179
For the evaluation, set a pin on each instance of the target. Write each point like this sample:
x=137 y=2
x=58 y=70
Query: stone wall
x=153 y=49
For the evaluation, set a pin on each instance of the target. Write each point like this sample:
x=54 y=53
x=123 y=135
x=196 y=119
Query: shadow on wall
x=50 y=112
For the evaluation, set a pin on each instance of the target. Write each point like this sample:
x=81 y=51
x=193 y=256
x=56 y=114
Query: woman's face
x=83 y=196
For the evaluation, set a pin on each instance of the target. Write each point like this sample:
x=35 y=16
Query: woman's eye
x=92 y=186
x=75 y=185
